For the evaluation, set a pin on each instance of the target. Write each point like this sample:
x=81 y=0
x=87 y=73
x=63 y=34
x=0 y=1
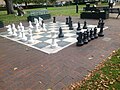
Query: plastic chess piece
x=60 y=35
x=24 y=38
x=14 y=30
x=99 y=23
x=70 y=25
x=35 y=20
x=92 y=34
x=85 y=25
x=30 y=37
x=9 y=30
x=95 y=33
x=67 y=21
x=79 y=39
x=88 y=35
x=37 y=28
x=19 y=34
x=78 y=28
x=53 y=43
x=54 y=20
x=85 y=38
x=30 y=24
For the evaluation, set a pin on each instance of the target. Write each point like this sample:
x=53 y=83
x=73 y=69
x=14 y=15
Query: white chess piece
x=37 y=28
x=9 y=29
x=30 y=37
x=24 y=38
x=14 y=30
x=19 y=34
x=30 y=24
x=53 y=43
x=40 y=21
x=35 y=20
x=44 y=27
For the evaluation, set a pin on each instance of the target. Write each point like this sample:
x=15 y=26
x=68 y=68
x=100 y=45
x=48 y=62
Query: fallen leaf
x=15 y=68
x=90 y=58
x=40 y=82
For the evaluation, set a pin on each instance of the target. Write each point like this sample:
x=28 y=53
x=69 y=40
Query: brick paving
x=22 y=69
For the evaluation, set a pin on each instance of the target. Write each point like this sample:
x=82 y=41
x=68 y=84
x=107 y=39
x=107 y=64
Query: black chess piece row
x=69 y=23
x=86 y=36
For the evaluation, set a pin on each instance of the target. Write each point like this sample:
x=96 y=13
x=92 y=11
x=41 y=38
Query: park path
x=24 y=68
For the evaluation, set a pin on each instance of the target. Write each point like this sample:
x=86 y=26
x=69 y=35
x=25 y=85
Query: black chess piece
x=70 y=25
x=60 y=35
x=54 y=20
x=92 y=34
x=95 y=33
x=88 y=35
x=101 y=34
x=85 y=25
x=99 y=23
x=85 y=39
x=78 y=28
x=42 y=23
x=79 y=39
x=67 y=21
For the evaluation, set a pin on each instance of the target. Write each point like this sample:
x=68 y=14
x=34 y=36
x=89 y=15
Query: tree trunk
x=26 y=4
x=9 y=6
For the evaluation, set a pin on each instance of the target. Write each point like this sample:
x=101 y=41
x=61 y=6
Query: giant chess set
x=53 y=36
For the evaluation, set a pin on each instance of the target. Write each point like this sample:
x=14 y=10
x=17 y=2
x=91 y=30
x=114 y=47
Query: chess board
x=42 y=40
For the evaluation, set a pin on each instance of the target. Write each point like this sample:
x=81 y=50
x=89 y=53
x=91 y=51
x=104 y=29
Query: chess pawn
x=92 y=34
x=14 y=30
x=9 y=30
x=30 y=24
x=60 y=35
x=85 y=37
x=30 y=37
x=53 y=43
x=19 y=34
x=88 y=35
x=78 y=28
x=54 y=20
x=24 y=38
x=37 y=28
x=67 y=21
x=95 y=33
x=70 y=25
x=85 y=25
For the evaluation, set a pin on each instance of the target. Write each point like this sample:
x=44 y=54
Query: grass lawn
x=54 y=11
x=105 y=77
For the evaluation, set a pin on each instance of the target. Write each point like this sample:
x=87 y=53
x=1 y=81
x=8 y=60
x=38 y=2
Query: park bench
x=114 y=10
x=44 y=14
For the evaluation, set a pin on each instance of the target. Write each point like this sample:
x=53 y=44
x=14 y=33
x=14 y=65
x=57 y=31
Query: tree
x=9 y=6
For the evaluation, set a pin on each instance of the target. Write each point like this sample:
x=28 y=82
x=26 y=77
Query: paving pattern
x=24 y=68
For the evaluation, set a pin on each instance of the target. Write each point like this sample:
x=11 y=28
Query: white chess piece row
x=20 y=33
